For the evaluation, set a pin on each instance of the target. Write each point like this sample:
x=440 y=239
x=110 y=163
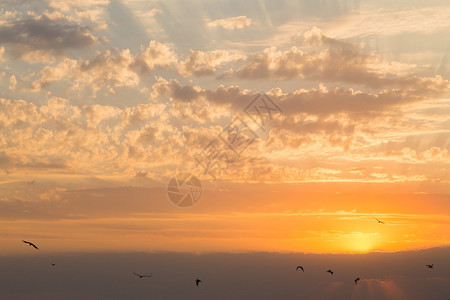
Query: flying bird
x=379 y=221
x=141 y=276
x=430 y=266
x=331 y=272
x=356 y=280
x=31 y=244
x=299 y=267
x=53 y=264
x=197 y=281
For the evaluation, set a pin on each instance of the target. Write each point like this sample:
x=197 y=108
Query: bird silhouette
x=331 y=272
x=31 y=244
x=299 y=267
x=379 y=221
x=53 y=264
x=430 y=266
x=197 y=281
x=356 y=280
x=141 y=276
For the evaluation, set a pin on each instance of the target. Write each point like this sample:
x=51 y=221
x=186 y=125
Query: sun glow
x=361 y=242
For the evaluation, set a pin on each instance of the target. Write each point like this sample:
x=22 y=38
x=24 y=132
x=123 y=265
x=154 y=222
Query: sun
x=361 y=242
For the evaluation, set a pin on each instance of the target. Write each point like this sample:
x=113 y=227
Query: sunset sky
x=102 y=102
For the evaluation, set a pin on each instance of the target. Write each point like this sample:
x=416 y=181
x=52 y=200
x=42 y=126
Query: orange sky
x=303 y=122
x=289 y=218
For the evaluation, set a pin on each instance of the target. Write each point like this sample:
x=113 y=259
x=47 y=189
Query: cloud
x=106 y=71
x=398 y=275
x=231 y=23
x=339 y=100
x=41 y=37
x=321 y=101
x=52 y=195
x=12 y=82
x=231 y=95
x=95 y=114
x=327 y=60
x=335 y=124
x=155 y=56
x=67 y=5
x=390 y=22
x=200 y=63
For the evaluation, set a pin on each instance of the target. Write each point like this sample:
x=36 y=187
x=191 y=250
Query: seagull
x=299 y=267
x=197 y=281
x=331 y=272
x=141 y=276
x=430 y=266
x=379 y=221
x=356 y=280
x=31 y=244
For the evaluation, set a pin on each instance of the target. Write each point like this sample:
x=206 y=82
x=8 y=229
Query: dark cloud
x=314 y=101
x=44 y=35
x=401 y=275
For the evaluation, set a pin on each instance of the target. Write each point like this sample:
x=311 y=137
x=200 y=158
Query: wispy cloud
x=389 y=22
x=231 y=23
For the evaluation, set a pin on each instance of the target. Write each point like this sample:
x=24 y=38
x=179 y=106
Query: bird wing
x=31 y=244
x=136 y=274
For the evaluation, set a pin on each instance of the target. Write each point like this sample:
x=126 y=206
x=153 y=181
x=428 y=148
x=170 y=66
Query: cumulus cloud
x=108 y=69
x=329 y=60
x=231 y=23
x=338 y=62
x=200 y=63
x=339 y=100
x=231 y=95
x=92 y=139
x=104 y=71
x=156 y=55
x=321 y=101
x=332 y=123
x=41 y=37
x=12 y=82
x=63 y=137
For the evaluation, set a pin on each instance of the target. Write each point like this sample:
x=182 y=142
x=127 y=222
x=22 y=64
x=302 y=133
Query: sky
x=317 y=127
